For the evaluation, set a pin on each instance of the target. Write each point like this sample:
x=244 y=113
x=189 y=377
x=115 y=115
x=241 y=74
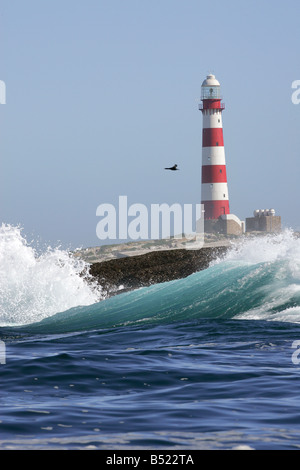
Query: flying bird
x=173 y=168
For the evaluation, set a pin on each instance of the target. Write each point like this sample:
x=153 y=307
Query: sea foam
x=277 y=256
x=33 y=286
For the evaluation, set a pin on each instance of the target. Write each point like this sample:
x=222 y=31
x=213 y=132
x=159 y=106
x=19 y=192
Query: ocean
x=206 y=362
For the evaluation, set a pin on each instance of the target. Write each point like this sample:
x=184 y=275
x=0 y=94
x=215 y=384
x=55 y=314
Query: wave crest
x=258 y=279
x=35 y=287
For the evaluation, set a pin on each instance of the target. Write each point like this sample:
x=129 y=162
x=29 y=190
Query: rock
x=124 y=274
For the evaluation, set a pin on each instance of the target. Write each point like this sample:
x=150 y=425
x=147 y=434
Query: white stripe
x=214 y=192
x=213 y=156
x=212 y=120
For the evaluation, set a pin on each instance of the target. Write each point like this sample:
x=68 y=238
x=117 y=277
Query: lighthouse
x=214 y=186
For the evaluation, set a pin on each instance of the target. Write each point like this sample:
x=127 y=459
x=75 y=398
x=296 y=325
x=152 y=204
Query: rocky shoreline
x=128 y=273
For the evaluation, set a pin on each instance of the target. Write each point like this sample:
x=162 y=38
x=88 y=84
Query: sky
x=101 y=95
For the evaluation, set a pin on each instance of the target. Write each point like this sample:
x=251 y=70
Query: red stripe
x=214 y=209
x=212 y=104
x=212 y=137
x=214 y=174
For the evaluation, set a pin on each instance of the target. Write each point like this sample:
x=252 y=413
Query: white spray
x=34 y=287
x=277 y=253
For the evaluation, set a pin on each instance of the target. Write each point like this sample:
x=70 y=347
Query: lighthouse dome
x=210 y=81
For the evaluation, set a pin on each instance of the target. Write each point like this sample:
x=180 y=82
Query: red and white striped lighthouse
x=214 y=188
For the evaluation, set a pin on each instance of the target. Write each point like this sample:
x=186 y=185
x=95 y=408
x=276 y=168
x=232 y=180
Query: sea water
x=205 y=362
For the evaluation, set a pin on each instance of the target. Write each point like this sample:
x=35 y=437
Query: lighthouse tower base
x=228 y=224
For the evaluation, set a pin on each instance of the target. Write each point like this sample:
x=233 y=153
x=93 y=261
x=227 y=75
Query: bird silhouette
x=173 y=168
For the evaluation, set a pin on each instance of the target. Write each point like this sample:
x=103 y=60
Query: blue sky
x=103 y=94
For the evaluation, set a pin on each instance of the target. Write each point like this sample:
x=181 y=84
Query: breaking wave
x=34 y=287
x=258 y=279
